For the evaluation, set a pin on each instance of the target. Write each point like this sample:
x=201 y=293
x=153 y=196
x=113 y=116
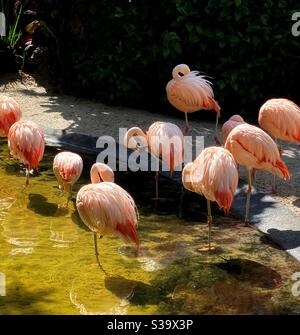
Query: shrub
x=123 y=52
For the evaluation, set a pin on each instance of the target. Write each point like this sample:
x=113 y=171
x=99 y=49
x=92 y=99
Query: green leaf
x=222 y=44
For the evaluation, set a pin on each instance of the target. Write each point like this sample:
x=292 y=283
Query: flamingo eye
x=180 y=74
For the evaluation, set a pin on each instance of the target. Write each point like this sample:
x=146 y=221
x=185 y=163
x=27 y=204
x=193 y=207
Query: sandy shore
x=96 y=119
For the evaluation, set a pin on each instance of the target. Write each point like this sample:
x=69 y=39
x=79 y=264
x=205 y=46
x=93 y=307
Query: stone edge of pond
x=275 y=220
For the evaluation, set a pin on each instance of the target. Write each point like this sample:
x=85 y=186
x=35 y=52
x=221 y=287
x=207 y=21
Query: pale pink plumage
x=230 y=124
x=10 y=113
x=67 y=167
x=163 y=139
x=26 y=143
x=254 y=148
x=281 y=118
x=189 y=91
x=213 y=174
x=106 y=208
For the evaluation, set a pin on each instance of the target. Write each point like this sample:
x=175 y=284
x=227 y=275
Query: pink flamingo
x=67 y=167
x=189 y=92
x=213 y=174
x=163 y=139
x=26 y=143
x=281 y=119
x=231 y=123
x=10 y=113
x=106 y=208
x=255 y=149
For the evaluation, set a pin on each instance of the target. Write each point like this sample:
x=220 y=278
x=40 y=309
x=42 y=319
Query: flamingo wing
x=9 y=114
x=106 y=208
x=67 y=167
x=191 y=93
x=214 y=174
x=254 y=148
x=281 y=118
x=166 y=141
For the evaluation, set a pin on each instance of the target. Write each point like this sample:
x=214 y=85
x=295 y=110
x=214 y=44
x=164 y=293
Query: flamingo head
x=101 y=172
x=180 y=70
x=135 y=138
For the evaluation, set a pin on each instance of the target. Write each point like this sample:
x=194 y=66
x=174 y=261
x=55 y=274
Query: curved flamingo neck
x=180 y=71
x=135 y=131
x=100 y=173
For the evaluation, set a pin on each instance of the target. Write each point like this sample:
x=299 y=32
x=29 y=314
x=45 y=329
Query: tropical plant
x=123 y=52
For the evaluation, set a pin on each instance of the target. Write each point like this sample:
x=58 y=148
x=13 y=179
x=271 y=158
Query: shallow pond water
x=47 y=255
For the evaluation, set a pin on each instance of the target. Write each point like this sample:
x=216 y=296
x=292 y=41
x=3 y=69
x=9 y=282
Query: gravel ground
x=96 y=119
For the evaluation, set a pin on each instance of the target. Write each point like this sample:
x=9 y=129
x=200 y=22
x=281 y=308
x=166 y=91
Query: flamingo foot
x=206 y=248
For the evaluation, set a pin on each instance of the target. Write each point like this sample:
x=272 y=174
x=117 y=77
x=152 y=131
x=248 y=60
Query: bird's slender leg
x=274 y=186
x=97 y=254
x=181 y=203
x=216 y=138
x=209 y=223
x=187 y=127
x=69 y=195
x=248 y=197
x=156 y=191
x=156 y=184
x=27 y=176
x=253 y=174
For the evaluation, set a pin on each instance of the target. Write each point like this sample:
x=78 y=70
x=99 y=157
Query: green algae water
x=47 y=255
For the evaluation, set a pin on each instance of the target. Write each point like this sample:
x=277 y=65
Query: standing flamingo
x=230 y=124
x=67 y=167
x=213 y=174
x=189 y=92
x=164 y=140
x=10 y=113
x=254 y=148
x=281 y=119
x=26 y=143
x=106 y=208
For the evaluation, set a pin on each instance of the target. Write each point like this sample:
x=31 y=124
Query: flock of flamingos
x=106 y=208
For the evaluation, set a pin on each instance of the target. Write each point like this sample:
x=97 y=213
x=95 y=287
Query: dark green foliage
x=123 y=52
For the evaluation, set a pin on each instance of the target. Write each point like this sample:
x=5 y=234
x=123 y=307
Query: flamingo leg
x=253 y=174
x=69 y=195
x=27 y=177
x=187 y=127
x=209 y=222
x=216 y=138
x=97 y=254
x=156 y=184
x=274 y=186
x=181 y=203
x=248 y=197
